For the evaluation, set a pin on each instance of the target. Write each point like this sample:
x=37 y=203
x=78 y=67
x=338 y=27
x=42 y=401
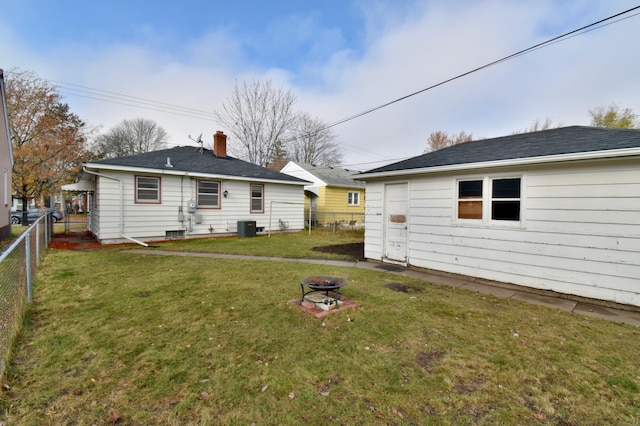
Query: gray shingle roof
x=564 y=140
x=333 y=176
x=190 y=159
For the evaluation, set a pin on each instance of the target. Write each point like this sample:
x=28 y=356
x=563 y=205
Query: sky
x=174 y=62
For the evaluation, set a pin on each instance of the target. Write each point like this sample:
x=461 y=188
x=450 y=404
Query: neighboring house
x=6 y=165
x=334 y=196
x=186 y=192
x=555 y=210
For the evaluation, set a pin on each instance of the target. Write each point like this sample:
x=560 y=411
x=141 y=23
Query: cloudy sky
x=176 y=61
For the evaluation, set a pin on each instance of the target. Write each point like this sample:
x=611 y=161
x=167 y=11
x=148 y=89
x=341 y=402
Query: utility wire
x=176 y=112
x=143 y=103
x=553 y=40
x=115 y=95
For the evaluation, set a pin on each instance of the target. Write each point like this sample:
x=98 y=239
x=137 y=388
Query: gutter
x=84 y=169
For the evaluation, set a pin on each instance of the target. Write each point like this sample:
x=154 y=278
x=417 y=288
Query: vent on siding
x=174 y=234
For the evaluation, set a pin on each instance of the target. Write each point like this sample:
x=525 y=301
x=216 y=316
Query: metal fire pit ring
x=322 y=284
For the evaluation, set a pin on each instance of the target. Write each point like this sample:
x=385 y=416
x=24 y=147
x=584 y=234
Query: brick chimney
x=220 y=144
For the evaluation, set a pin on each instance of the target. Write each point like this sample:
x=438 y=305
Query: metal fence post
x=27 y=249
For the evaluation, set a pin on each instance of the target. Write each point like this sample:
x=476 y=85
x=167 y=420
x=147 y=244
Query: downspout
x=84 y=169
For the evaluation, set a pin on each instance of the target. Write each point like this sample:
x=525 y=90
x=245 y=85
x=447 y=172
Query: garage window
x=489 y=199
x=470 y=199
x=505 y=199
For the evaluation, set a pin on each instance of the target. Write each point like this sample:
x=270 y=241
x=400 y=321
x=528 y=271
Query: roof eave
x=170 y=172
x=581 y=156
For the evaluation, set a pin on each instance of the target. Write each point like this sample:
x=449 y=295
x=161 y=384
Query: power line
x=149 y=104
x=116 y=95
x=374 y=162
x=134 y=105
x=557 y=39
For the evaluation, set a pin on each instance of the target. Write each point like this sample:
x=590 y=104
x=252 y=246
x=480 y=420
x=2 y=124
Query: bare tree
x=438 y=140
x=131 y=137
x=614 y=116
x=538 y=125
x=313 y=142
x=257 y=115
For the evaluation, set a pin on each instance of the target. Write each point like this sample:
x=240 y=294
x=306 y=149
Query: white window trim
x=251 y=198
x=487 y=198
x=207 y=206
x=350 y=198
x=158 y=200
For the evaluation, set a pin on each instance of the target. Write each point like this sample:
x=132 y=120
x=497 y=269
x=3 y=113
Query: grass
x=291 y=245
x=122 y=338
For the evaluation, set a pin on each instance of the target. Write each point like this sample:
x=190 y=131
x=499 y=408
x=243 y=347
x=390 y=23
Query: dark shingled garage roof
x=194 y=160
x=565 y=140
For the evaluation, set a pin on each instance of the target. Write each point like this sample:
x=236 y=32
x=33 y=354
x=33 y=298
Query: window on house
x=147 y=189
x=208 y=194
x=257 y=198
x=505 y=199
x=353 y=198
x=470 y=199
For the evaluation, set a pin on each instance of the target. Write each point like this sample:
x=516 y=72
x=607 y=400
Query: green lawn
x=291 y=245
x=122 y=338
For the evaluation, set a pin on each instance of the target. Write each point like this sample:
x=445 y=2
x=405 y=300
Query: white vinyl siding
x=581 y=235
x=149 y=222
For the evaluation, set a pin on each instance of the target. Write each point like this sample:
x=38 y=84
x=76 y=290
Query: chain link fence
x=18 y=266
x=334 y=220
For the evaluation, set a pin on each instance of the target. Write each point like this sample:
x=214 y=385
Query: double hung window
x=208 y=194
x=353 y=198
x=147 y=189
x=257 y=198
x=490 y=199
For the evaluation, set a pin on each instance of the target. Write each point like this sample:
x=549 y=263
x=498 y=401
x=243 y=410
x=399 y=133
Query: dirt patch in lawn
x=355 y=251
x=82 y=240
x=404 y=288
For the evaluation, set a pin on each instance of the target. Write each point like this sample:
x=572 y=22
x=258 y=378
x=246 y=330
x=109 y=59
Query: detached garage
x=556 y=210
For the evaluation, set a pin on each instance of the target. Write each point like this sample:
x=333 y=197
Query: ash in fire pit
x=322 y=284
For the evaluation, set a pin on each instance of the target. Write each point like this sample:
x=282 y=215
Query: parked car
x=33 y=214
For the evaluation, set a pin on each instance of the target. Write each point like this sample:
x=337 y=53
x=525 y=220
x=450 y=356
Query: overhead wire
x=557 y=39
x=176 y=112
x=129 y=98
x=138 y=102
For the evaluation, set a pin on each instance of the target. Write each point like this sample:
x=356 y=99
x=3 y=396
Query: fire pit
x=322 y=284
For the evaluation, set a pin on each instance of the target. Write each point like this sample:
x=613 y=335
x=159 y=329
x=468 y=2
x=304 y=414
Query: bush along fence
x=18 y=266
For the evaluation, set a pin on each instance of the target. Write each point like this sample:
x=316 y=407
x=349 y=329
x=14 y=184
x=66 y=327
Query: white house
x=556 y=210
x=187 y=192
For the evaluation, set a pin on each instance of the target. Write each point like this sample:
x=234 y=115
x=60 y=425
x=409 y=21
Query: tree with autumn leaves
x=49 y=141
